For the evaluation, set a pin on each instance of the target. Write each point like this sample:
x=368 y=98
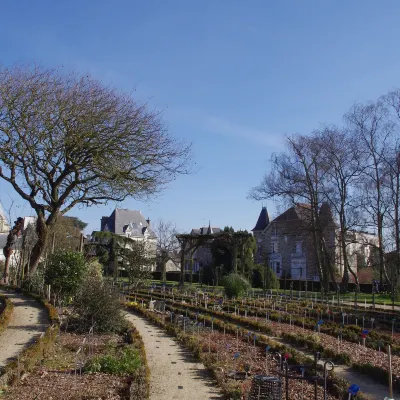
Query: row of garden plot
x=229 y=351
x=325 y=320
x=373 y=363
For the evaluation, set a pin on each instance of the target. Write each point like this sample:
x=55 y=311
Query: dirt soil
x=28 y=321
x=175 y=374
x=59 y=379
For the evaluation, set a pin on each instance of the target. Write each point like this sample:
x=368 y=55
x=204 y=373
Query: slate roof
x=263 y=220
x=205 y=230
x=122 y=220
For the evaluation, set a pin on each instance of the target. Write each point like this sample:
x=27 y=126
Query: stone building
x=286 y=243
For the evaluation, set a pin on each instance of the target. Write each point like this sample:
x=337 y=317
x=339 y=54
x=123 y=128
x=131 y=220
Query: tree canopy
x=67 y=139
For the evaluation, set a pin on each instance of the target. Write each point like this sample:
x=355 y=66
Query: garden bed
x=94 y=373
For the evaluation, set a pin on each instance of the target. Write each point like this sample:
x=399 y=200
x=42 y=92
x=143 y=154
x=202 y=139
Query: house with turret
x=286 y=244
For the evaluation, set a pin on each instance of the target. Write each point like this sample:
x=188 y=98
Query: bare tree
x=344 y=165
x=297 y=176
x=67 y=139
x=392 y=161
x=137 y=261
x=168 y=247
x=372 y=129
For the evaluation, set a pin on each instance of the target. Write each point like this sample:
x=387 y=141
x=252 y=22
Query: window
x=274 y=247
x=299 y=249
x=298 y=269
x=277 y=267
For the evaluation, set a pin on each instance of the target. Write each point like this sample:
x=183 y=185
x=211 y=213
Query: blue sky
x=233 y=77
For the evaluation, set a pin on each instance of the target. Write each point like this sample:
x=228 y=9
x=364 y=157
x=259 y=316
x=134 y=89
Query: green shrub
x=65 y=272
x=123 y=361
x=235 y=285
x=97 y=304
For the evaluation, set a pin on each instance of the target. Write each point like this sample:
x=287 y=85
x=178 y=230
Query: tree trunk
x=7 y=266
x=163 y=270
x=242 y=263
x=346 y=277
x=182 y=264
x=345 y=280
x=331 y=273
x=39 y=247
x=191 y=270
x=234 y=258
x=317 y=245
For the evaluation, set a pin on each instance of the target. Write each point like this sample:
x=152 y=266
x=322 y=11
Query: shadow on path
x=28 y=321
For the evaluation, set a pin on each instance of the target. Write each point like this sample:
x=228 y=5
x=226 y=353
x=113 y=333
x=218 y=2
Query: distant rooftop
x=263 y=220
x=123 y=220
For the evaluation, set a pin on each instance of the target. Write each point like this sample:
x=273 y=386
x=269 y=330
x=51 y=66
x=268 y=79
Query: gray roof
x=122 y=220
x=203 y=230
x=263 y=220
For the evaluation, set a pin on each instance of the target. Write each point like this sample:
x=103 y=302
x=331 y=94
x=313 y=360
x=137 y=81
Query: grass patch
x=116 y=361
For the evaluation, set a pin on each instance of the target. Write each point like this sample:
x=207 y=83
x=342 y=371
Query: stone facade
x=286 y=243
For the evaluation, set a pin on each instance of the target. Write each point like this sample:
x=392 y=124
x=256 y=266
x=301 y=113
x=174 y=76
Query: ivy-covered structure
x=121 y=230
x=203 y=238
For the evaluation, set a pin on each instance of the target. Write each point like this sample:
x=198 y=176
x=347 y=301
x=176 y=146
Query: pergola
x=191 y=242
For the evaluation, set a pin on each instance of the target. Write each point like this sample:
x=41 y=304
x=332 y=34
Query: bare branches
x=355 y=169
x=168 y=247
x=66 y=139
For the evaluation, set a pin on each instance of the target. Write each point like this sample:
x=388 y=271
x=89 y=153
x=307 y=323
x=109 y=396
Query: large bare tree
x=371 y=127
x=344 y=164
x=66 y=140
x=297 y=176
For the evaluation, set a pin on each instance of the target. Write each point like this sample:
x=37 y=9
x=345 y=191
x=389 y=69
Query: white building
x=133 y=225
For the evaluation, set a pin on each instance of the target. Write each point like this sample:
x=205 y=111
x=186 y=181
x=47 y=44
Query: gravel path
x=29 y=319
x=175 y=374
x=375 y=390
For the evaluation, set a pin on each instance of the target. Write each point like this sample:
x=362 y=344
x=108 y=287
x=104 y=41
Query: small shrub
x=97 y=304
x=235 y=285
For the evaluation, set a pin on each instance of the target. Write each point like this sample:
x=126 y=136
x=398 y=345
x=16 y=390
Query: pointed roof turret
x=209 y=230
x=263 y=220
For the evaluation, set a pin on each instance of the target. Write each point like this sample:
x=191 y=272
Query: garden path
x=175 y=374
x=29 y=319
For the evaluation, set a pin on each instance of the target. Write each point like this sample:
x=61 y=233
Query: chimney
x=148 y=222
x=104 y=222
